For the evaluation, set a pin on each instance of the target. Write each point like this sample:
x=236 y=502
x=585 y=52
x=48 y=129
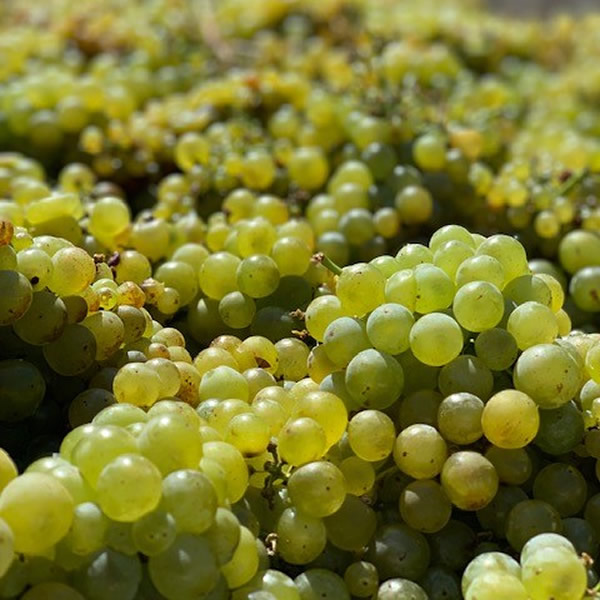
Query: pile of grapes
x=299 y=300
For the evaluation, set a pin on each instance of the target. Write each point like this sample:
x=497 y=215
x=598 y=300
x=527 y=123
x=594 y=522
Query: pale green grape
x=36 y=266
x=411 y=255
x=7 y=543
x=170 y=379
x=510 y=419
x=292 y=255
x=401 y=288
x=434 y=289
x=424 y=506
x=73 y=352
x=352 y=526
x=44 y=321
x=420 y=407
x=547 y=374
x=108 y=331
x=16 y=298
x=248 y=433
x=244 y=563
x=532 y=323
x=508 y=251
x=293 y=355
x=327 y=410
x=257 y=276
x=73 y=271
x=450 y=233
x=321 y=584
x=470 y=480
x=545 y=540
x=414 y=204
x=232 y=461
x=128 y=488
x=217 y=275
x=466 y=373
x=121 y=415
x=360 y=289
x=496 y=586
x=224 y=535
x=436 y=339
x=514 y=467
x=497 y=348
x=300 y=537
x=172 y=573
x=88 y=529
x=109 y=216
x=489 y=562
x=301 y=440
x=223 y=382
x=38 y=510
x=320 y=313
x=450 y=255
x=480 y=268
x=478 y=306
x=459 y=418
x=388 y=328
x=343 y=339
x=171 y=442
x=359 y=475
x=237 y=310
x=400 y=588
x=374 y=379
x=361 y=579
x=529 y=288
x=371 y=435
x=317 y=489
x=563 y=486
x=420 y=451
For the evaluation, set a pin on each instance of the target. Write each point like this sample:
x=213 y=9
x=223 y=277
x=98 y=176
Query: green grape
x=292 y=255
x=450 y=233
x=7 y=543
x=401 y=288
x=480 y=268
x=317 y=489
x=8 y=258
x=36 y=266
x=478 y=306
x=189 y=497
x=528 y=519
x=109 y=216
x=352 y=525
x=592 y=362
x=100 y=446
x=470 y=480
x=510 y=419
x=561 y=429
x=414 y=205
x=424 y=506
x=441 y=584
x=554 y=572
x=258 y=351
x=436 y=339
x=121 y=415
x=411 y=255
x=528 y=288
x=420 y=407
x=374 y=379
x=360 y=289
x=497 y=348
x=450 y=255
x=545 y=540
x=396 y=550
x=489 y=562
x=73 y=271
x=371 y=435
x=434 y=289
x=327 y=410
x=52 y=590
x=293 y=355
x=38 y=510
x=170 y=379
x=108 y=331
x=420 y=451
x=248 y=433
x=223 y=382
x=509 y=252
x=359 y=475
x=321 y=584
x=73 y=352
x=300 y=537
x=493 y=517
x=584 y=289
x=581 y=534
x=170 y=570
x=562 y=486
x=88 y=529
x=361 y=579
x=244 y=563
x=578 y=249
x=217 y=275
x=459 y=418
x=344 y=338
x=257 y=276
x=171 y=442
x=179 y=276
x=22 y=391
x=496 y=586
x=224 y=535
x=514 y=467
x=237 y=310
x=232 y=461
x=357 y=225
x=547 y=374
x=8 y=469
x=17 y=296
x=466 y=373
x=137 y=384
x=128 y=487
x=532 y=323
x=400 y=588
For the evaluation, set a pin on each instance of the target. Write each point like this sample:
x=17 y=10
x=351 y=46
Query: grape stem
x=321 y=258
x=568 y=185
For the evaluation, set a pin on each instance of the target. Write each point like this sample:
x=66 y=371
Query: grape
x=436 y=339
x=388 y=328
x=450 y=255
x=320 y=584
x=8 y=469
x=170 y=571
x=480 y=268
x=17 y=296
x=420 y=451
x=352 y=525
x=508 y=251
x=466 y=373
x=434 y=290
x=494 y=516
x=223 y=382
x=317 y=489
x=128 y=488
x=491 y=586
x=554 y=572
x=374 y=379
x=223 y=535
x=361 y=579
x=344 y=338
x=424 y=506
x=514 y=467
x=244 y=563
x=562 y=486
x=88 y=529
x=414 y=204
x=36 y=266
x=470 y=480
x=300 y=537
x=578 y=249
x=561 y=429
x=73 y=271
x=489 y=562
x=230 y=459
x=478 y=306
x=584 y=289
x=73 y=352
x=530 y=518
x=327 y=410
x=23 y=389
x=371 y=435
x=532 y=323
x=60 y=591
x=497 y=348
x=547 y=374
x=510 y=419
x=38 y=510
x=459 y=418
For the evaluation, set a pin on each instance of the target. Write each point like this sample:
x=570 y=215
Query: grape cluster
x=298 y=300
